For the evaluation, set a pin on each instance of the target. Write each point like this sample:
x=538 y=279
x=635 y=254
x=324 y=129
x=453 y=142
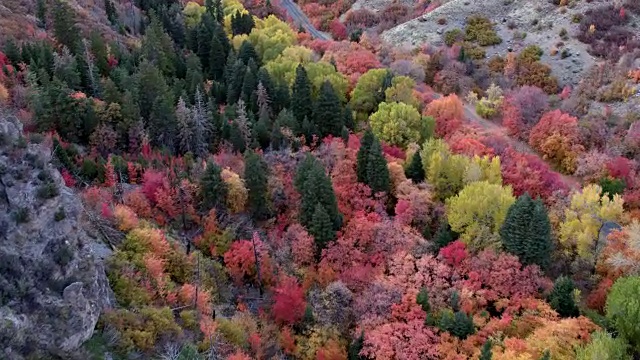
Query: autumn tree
x=604 y=346
x=444 y=170
x=556 y=136
x=369 y=92
x=526 y=231
x=255 y=177
x=448 y=112
x=289 y=304
x=623 y=309
x=397 y=123
x=584 y=217
x=479 y=207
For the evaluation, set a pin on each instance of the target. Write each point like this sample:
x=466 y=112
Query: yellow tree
x=483 y=168
x=478 y=208
x=401 y=90
x=443 y=170
x=271 y=36
x=396 y=123
x=237 y=193
x=584 y=217
x=193 y=14
x=365 y=96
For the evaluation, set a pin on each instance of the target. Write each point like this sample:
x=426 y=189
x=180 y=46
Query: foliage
x=603 y=346
x=481 y=30
x=479 y=205
x=561 y=298
x=557 y=137
x=289 y=304
x=623 y=309
x=397 y=123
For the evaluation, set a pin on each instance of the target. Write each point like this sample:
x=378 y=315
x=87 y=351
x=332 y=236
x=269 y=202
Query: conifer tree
x=363 y=155
x=12 y=51
x=546 y=355
x=347 y=118
x=281 y=98
x=217 y=60
x=301 y=103
x=321 y=229
x=235 y=82
x=444 y=236
x=204 y=36
x=422 y=299
x=248 y=52
x=194 y=77
x=327 y=113
x=414 y=171
x=64 y=26
x=355 y=347
x=526 y=232
x=314 y=185
x=255 y=177
x=41 y=13
x=213 y=189
x=249 y=86
x=377 y=171
x=485 y=353
x=561 y=298
x=110 y=9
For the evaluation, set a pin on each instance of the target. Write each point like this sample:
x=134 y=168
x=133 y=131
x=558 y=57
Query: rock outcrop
x=52 y=287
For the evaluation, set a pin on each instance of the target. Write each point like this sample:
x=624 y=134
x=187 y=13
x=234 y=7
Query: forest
x=268 y=195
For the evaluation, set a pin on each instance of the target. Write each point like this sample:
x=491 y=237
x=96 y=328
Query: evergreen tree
x=485 y=353
x=459 y=324
x=546 y=355
x=248 y=52
x=363 y=155
x=321 y=229
x=347 y=118
x=235 y=82
x=378 y=177
x=314 y=185
x=301 y=103
x=64 y=26
x=328 y=112
x=236 y=138
x=112 y=14
x=217 y=60
x=422 y=299
x=162 y=122
x=41 y=13
x=12 y=51
x=213 y=189
x=355 y=347
x=282 y=98
x=249 y=85
x=205 y=39
x=387 y=82
x=526 y=232
x=444 y=236
x=194 y=78
x=241 y=23
x=561 y=298
x=100 y=53
x=414 y=171
x=221 y=35
x=255 y=177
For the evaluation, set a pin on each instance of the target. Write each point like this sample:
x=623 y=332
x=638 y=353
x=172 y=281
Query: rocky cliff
x=52 y=287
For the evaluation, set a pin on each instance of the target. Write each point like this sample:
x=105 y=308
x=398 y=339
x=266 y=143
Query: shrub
x=48 y=191
x=481 y=30
x=21 y=215
x=453 y=36
x=531 y=53
x=60 y=214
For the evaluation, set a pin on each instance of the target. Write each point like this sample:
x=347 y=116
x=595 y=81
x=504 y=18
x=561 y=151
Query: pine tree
x=204 y=36
x=414 y=171
x=248 y=52
x=561 y=298
x=249 y=86
x=444 y=236
x=327 y=113
x=422 y=299
x=41 y=13
x=213 y=189
x=112 y=14
x=321 y=228
x=546 y=355
x=12 y=51
x=281 y=98
x=314 y=185
x=64 y=26
x=235 y=82
x=347 y=118
x=485 y=353
x=377 y=171
x=363 y=155
x=255 y=177
x=301 y=103
x=355 y=347
x=459 y=324
x=216 y=60
x=526 y=232
x=100 y=53
x=194 y=78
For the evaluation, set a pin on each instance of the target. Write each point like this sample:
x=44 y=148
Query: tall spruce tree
x=414 y=171
x=363 y=155
x=301 y=102
x=315 y=187
x=213 y=189
x=255 y=177
x=485 y=353
x=235 y=82
x=561 y=298
x=526 y=232
x=217 y=60
x=321 y=229
x=64 y=26
x=347 y=118
x=355 y=347
x=327 y=114
x=41 y=13
x=248 y=52
x=377 y=171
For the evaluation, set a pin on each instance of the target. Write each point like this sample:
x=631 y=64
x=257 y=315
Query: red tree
x=289 y=304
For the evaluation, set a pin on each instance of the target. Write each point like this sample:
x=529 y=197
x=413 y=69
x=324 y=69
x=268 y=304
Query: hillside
x=239 y=180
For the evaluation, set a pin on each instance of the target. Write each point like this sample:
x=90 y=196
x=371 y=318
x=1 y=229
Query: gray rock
x=56 y=288
x=440 y=31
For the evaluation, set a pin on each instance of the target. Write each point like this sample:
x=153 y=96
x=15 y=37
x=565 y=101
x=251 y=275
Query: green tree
x=612 y=187
x=41 y=13
x=546 y=355
x=217 y=60
x=364 y=99
x=415 y=171
x=444 y=236
x=623 y=309
x=321 y=229
x=99 y=52
x=256 y=178
x=422 y=299
x=327 y=113
x=249 y=85
x=603 y=346
x=397 y=123
x=213 y=189
x=64 y=26
x=362 y=158
x=235 y=81
x=377 y=171
x=458 y=324
x=194 y=78
x=314 y=185
x=347 y=118
x=112 y=13
x=158 y=48
x=485 y=352
x=301 y=103
x=355 y=347
x=526 y=231
x=247 y=52
x=561 y=298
